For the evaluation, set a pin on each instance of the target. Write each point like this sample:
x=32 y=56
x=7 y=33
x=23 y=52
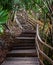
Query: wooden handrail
x=42 y=53
x=38 y=48
x=34 y=20
x=46 y=57
x=41 y=62
x=41 y=39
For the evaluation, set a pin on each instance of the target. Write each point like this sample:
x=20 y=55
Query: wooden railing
x=39 y=49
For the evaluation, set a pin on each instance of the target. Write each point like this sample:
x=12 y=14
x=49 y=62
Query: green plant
x=6 y=4
x=3 y=18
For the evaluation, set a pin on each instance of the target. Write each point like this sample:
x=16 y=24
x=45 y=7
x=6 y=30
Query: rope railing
x=38 y=47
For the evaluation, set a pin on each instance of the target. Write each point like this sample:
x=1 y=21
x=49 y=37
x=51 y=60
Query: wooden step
x=18 y=41
x=22 y=53
x=23 y=44
x=25 y=38
x=27 y=27
x=21 y=47
x=28 y=34
x=16 y=46
x=21 y=61
x=29 y=31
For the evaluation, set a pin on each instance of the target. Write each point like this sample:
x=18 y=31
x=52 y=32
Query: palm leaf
x=3 y=16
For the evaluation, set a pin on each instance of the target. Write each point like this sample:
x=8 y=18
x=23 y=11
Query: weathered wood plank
x=22 y=61
x=23 y=51
x=25 y=38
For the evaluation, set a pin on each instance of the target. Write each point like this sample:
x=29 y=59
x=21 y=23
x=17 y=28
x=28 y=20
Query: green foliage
x=1 y=29
x=7 y=4
x=27 y=4
x=42 y=7
x=3 y=18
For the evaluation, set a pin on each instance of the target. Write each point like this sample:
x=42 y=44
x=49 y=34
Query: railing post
x=40 y=45
x=41 y=48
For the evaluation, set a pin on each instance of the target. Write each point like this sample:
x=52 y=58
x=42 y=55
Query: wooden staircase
x=23 y=51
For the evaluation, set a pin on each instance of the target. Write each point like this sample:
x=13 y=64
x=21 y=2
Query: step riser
x=23 y=45
x=22 y=55
x=32 y=43
x=24 y=41
x=19 y=48
x=27 y=35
